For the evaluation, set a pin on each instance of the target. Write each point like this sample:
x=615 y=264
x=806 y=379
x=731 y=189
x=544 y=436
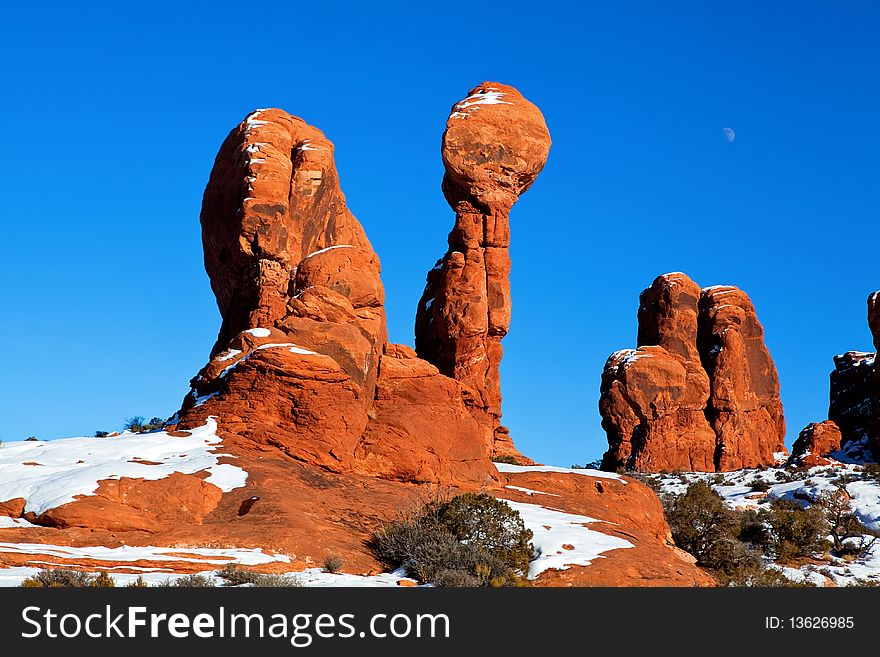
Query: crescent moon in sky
x=729 y=134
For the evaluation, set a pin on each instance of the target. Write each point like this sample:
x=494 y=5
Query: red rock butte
x=700 y=392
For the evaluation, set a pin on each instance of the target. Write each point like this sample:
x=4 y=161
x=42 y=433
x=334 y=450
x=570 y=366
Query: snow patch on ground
x=132 y=554
x=69 y=467
x=529 y=491
x=562 y=538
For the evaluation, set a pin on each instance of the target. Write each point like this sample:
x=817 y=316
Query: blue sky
x=113 y=116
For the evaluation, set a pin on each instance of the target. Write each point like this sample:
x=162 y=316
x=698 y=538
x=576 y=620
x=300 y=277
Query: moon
x=729 y=134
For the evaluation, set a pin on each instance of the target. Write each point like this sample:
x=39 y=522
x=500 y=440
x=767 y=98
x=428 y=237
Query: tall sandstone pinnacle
x=700 y=393
x=855 y=389
x=302 y=364
x=495 y=144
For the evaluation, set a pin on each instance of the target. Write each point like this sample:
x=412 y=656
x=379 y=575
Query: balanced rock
x=700 y=392
x=855 y=389
x=495 y=145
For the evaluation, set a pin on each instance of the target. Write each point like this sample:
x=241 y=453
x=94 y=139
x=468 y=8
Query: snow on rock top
x=510 y=468
x=259 y=332
x=70 y=467
x=291 y=347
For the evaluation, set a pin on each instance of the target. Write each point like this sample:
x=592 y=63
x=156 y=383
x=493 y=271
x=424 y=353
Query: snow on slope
x=48 y=474
x=749 y=489
x=562 y=538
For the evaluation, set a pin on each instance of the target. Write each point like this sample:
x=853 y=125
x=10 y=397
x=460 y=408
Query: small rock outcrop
x=815 y=442
x=855 y=389
x=700 y=392
x=495 y=145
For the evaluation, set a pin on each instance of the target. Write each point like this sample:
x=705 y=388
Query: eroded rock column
x=494 y=146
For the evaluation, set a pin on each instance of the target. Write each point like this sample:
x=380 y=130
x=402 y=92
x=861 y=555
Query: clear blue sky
x=113 y=117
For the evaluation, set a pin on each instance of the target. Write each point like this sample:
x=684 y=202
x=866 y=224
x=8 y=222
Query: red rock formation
x=298 y=365
x=12 y=508
x=336 y=429
x=744 y=407
x=495 y=145
x=700 y=392
x=855 y=389
x=815 y=442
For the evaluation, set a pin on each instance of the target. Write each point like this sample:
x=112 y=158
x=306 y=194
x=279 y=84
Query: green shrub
x=469 y=536
x=504 y=458
x=759 y=485
x=795 y=531
x=134 y=424
x=102 y=434
x=699 y=518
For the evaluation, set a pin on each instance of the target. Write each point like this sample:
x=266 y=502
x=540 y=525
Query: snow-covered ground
x=750 y=489
x=48 y=474
x=311 y=577
x=562 y=538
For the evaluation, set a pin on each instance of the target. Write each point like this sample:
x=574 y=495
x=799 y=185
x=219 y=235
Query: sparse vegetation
x=332 y=563
x=234 y=575
x=505 y=458
x=138 y=424
x=849 y=536
x=194 y=581
x=63 y=578
x=102 y=434
x=724 y=541
x=469 y=540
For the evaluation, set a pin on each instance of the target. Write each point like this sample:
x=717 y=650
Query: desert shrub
x=134 y=424
x=193 y=581
x=139 y=583
x=753 y=528
x=504 y=458
x=795 y=531
x=871 y=471
x=848 y=535
x=233 y=575
x=103 y=581
x=456 y=579
x=63 y=578
x=759 y=485
x=102 y=434
x=864 y=582
x=471 y=534
x=332 y=563
x=698 y=519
